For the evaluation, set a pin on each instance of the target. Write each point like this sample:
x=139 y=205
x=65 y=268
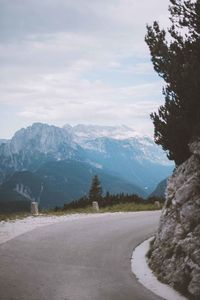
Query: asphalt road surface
x=84 y=259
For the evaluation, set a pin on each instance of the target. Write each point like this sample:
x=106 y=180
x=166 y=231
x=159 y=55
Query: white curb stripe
x=146 y=277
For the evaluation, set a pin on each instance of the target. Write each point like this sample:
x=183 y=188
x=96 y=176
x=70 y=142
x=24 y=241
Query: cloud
x=59 y=100
x=20 y=18
x=78 y=60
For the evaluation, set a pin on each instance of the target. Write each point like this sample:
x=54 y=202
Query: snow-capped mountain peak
x=88 y=132
x=116 y=149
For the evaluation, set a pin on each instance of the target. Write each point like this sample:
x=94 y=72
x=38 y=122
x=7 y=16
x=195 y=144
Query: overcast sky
x=77 y=61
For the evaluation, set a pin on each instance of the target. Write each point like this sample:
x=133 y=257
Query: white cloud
x=58 y=100
x=78 y=60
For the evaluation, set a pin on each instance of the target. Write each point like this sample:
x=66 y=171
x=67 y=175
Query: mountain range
x=160 y=190
x=55 y=165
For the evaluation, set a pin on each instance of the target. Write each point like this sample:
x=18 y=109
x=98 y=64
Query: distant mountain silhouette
x=117 y=154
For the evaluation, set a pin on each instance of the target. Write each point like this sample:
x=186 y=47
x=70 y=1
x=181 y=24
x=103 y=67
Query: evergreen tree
x=95 y=193
x=176 y=58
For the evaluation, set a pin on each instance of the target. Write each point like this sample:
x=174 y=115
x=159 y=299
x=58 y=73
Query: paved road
x=86 y=259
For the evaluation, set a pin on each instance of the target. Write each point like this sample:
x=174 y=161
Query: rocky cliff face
x=175 y=253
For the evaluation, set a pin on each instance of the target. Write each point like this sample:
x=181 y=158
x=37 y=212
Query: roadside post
x=95 y=206
x=34 y=209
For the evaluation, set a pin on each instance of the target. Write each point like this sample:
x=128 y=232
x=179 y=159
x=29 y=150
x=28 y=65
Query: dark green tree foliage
x=95 y=190
x=95 y=194
x=176 y=58
x=107 y=200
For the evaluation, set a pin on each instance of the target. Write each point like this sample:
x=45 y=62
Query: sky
x=78 y=61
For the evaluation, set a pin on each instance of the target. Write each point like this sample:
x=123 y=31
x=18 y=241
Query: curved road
x=82 y=259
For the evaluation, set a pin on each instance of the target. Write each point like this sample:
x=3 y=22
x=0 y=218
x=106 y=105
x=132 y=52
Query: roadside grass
x=122 y=207
x=61 y=212
x=14 y=216
x=129 y=207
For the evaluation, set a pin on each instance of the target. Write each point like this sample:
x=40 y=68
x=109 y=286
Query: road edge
x=145 y=276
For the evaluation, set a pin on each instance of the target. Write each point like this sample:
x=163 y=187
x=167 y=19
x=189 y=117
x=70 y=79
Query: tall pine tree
x=176 y=58
x=95 y=193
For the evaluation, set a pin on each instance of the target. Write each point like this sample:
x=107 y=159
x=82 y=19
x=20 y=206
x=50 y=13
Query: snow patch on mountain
x=94 y=164
x=88 y=132
x=95 y=137
x=24 y=191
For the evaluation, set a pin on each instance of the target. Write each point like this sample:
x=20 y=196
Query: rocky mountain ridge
x=3 y=141
x=135 y=158
x=160 y=190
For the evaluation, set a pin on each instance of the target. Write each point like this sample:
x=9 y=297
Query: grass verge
x=14 y=216
x=123 y=207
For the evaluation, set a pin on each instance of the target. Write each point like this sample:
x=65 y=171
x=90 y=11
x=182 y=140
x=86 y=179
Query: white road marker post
x=34 y=209
x=95 y=206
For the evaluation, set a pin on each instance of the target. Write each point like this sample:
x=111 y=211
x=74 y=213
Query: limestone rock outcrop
x=175 y=253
